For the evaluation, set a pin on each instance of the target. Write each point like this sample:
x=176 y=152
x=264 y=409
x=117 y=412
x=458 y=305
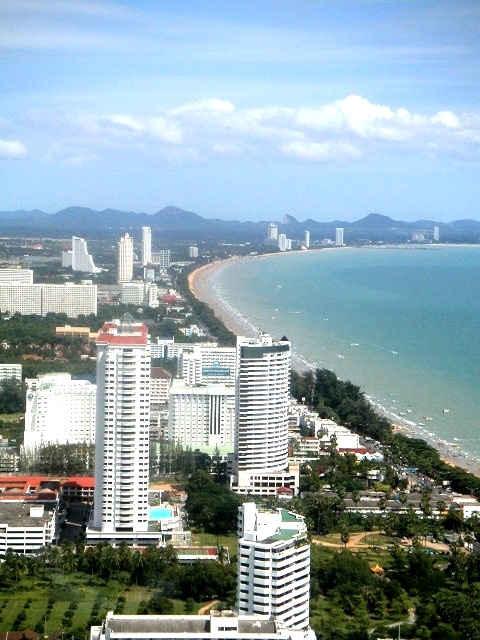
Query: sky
x=242 y=109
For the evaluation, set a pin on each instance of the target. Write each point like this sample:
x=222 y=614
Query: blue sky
x=245 y=109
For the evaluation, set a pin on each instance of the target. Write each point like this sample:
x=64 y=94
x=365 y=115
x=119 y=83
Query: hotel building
x=121 y=511
x=339 y=237
x=16 y=274
x=273 y=565
x=79 y=258
x=146 y=246
x=207 y=363
x=260 y=462
x=125 y=258
x=59 y=410
x=201 y=415
x=40 y=299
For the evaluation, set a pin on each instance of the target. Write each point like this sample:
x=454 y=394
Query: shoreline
x=201 y=285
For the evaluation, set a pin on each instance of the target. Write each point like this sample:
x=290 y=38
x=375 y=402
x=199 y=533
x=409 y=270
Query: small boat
x=446 y=410
x=427 y=418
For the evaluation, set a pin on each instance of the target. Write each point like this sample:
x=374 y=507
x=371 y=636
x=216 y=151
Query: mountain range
x=177 y=225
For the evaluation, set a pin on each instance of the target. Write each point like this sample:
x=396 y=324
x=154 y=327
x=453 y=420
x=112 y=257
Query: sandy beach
x=201 y=285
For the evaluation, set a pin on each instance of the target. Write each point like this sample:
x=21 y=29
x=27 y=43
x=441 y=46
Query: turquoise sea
x=402 y=323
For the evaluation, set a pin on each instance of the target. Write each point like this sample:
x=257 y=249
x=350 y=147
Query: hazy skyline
x=242 y=110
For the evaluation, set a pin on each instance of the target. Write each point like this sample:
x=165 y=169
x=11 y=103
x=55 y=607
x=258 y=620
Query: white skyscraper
x=272 y=233
x=339 y=237
x=307 y=239
x=282 y=242
x=146 y=246
x=273 y=565
x=436 y=234
x=79 y=258
x=122 y=427
x=261 y=436
x=59 y=410
x=125 y=258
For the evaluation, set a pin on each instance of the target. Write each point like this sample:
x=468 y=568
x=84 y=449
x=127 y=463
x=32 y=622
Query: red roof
x=284 y=490
x=109 y=334
x=84 y=482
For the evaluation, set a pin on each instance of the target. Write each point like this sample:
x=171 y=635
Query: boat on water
x=446 y=410
x=427 y=418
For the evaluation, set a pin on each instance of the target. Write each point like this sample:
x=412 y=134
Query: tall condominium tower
x=81 y=259
x=339 y=237
x=262 y=397
x=125 y=258
x=146 y=246
x=307 y=239
x=273 y=565
x=122 y=436
x=272 y=231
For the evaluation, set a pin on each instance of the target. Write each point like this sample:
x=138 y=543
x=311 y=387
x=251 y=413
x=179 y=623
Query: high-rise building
x=272 y=232
x=59 y=410
x=79 y=258
x=121 y=511
x=260 y=464
x=122 y=439
x=193 y=252
x=9 y=371
x=306 y=240
x=125 y=258
x=282 y=242
x=207 y=363
x=40 y=299
x=273 y=565
x=339 y=237
x=146 y=246
x=201 y=415
x=436 y=233
x=162 y=258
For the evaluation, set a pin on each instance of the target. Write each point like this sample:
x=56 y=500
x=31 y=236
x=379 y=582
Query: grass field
x=56 y=604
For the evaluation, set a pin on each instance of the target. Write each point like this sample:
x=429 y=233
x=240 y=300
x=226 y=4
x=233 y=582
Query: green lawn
x=211 y=540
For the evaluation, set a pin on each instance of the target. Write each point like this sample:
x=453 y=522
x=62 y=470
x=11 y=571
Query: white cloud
x=12 y=149
x=346 y=129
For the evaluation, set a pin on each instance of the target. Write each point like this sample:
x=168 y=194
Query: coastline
x=202 y=285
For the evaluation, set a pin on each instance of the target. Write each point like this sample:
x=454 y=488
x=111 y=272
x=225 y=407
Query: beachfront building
x=146 y=246
x=272 y=231
x=273 y=565
x=125 y=259
x=121 y=511
x=58 y=410
x=339 y=237
x=217 y=625
x=201 y=416
x=40 y=299
x=436 y=233
x=78 y=257
x=140 y=293
x=207 y=363
x=260 y=460
x=306 y=240
x=193 y=251
x=282 y=242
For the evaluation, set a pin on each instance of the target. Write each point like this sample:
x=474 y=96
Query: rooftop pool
x=160 y=513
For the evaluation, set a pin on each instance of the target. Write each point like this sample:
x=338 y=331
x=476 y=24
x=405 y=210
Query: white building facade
x=16 y=274
x=8 y=371
x=125 y=258
x=79 y=258
x=339 y=237
x=146 y=246
x=262 y=401
x=122 y=427
x=59 y=410
x=201 y=415
x=273 y=565
x=40 y=299
x=208 y=363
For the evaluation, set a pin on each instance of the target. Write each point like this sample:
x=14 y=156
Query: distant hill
x=174 y=224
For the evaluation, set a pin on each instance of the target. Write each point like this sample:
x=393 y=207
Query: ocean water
x=402 y=323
